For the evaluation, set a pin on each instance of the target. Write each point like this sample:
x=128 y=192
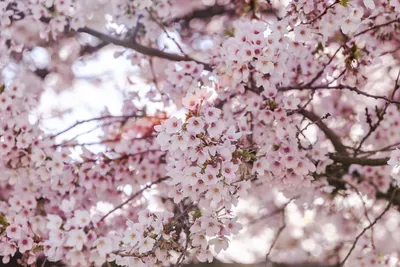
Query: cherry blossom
x=395 y=158
x=235 y=120
x=76 y=238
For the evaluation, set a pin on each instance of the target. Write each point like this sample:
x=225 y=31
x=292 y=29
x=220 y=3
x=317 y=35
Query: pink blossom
x=25 y=244
x=82 y=218
x=76 y=257
x=219 y=243
x=76 y=238
x=103 y=246
x=14 y=231
x=146 y=245
x=395 y=158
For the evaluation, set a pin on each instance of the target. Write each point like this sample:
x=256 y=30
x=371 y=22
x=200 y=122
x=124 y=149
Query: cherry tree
x=239 y=117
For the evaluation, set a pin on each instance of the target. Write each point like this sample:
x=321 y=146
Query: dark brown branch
x=331 y=135
x=347 y=160
x=206 y=13
x=88 y=49
x=132 y=44
x=341 y=156
x=327 y=115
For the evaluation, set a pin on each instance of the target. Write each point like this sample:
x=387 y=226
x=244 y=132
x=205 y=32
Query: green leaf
x=272 y=105
x=230 y=33
x=197 y=214
x=319 y=48
x=3 y=220
x=344 y=3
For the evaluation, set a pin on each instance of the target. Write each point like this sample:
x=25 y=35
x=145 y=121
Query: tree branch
x=206 y=13
x=133 y=197
x=377 y=27
x=359 y=161
x=132 y=44
x=342 y=156
x=87 y=49
x=381 y=115
x=338 y=87
x=331 y=135
x=122 y=117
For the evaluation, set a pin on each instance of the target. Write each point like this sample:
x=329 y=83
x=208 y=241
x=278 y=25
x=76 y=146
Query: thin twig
x=377 y=27
x=380 y=116
x=383 y=149
x=325 y=66
x=167 y=34
x=364 y=207
x=101 y=142
x=155 y=81
x=338 y=87
x=133 y=197
x=368 y=227
x=182 y=256
x=322 y=14
x=94 y=119
x=278 y=233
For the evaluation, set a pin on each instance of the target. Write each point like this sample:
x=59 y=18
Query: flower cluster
x=182 y=76
x=291 y=111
